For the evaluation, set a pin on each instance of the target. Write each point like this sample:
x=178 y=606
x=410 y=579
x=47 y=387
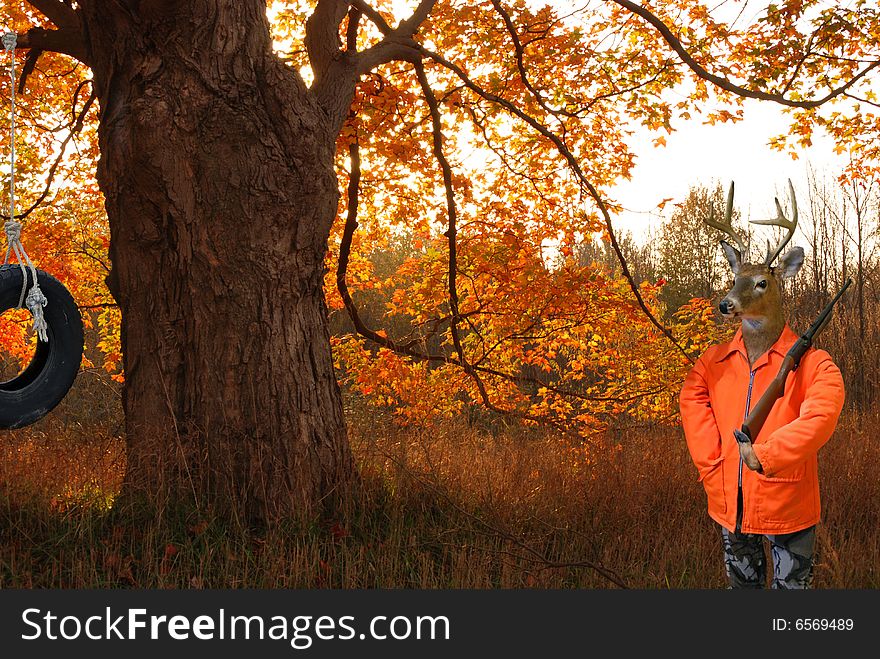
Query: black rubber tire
x=45 y=381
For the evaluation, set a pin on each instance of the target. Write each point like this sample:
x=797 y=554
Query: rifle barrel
x=814 y=328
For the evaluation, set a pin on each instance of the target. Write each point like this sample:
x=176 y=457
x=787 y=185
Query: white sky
x=700 y=153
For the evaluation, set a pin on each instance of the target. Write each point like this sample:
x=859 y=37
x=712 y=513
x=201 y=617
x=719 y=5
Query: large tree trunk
x=217 y=168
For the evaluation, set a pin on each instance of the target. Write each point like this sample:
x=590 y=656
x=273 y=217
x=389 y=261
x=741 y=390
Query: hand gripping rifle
x=759 y=413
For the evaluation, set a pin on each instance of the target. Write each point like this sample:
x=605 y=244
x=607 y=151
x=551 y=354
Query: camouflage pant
x=792 y=559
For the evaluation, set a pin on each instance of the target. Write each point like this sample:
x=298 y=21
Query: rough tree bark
x=217 y=169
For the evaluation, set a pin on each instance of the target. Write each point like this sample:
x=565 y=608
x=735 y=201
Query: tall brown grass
x=444 y=507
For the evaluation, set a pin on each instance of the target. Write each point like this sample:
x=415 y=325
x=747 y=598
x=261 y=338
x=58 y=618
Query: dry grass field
x=443 y=507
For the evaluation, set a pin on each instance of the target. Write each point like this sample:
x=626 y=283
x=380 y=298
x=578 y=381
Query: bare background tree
x=688 y=256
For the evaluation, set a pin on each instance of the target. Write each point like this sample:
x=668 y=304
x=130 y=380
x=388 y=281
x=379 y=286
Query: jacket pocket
x=791 y=475
x=713 y=482
x=787 y=497
x=785 y=502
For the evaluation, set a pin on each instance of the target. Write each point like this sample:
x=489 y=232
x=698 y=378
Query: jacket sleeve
x=796 y=441
x=700 y=428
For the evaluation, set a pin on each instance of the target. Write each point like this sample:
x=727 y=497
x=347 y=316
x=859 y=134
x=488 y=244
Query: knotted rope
x=33 y=300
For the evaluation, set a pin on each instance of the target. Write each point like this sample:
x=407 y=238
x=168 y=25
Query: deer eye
x=761 y=284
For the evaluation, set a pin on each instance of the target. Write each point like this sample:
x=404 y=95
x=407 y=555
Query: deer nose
x=726 y=307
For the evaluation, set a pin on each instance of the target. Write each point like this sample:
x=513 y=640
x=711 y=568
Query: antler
x=726 y=226
x=781 y=221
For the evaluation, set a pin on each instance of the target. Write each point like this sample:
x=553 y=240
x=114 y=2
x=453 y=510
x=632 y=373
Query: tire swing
x=45 y=381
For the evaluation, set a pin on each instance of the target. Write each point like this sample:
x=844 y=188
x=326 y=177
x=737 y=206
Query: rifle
x=759 y=413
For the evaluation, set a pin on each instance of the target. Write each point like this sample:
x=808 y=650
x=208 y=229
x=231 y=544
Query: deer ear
x=734 y=258
x=790 y=263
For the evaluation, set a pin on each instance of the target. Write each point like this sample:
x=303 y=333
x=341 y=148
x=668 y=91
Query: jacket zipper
x=739 y=478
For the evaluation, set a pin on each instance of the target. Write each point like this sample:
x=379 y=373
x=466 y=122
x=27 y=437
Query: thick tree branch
x=723 y=83
x=66 y=41
x=351 y=30
x=398 y=44
x=337 y=71
x=374 y=16
x=408 y=27
x=322 y=35
x=59 y=13
x=390 y=49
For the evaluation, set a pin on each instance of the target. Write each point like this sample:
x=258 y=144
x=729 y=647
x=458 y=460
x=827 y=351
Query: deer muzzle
x=727 y=307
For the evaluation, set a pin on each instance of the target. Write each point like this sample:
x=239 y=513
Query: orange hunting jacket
x=785 y=498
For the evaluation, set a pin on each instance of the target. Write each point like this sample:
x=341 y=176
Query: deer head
x=756 y=296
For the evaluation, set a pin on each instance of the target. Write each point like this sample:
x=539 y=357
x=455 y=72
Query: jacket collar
x=736 y=344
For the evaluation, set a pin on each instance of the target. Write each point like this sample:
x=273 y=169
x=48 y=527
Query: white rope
x=33 y=300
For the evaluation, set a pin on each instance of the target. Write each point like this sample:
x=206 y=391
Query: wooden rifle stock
x=761 y=410
x=776 y=390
